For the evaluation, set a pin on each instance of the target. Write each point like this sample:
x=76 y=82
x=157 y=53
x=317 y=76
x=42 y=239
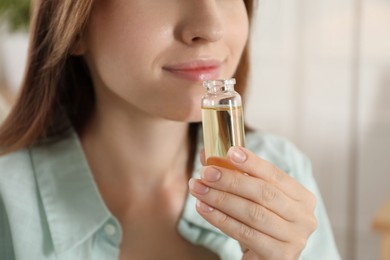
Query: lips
x=195 y=70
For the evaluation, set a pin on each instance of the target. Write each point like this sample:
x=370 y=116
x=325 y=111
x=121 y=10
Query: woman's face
x=152 y=55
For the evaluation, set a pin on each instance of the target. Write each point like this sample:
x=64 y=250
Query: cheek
x=240 y=30
x=121 y=42
x=236 y=39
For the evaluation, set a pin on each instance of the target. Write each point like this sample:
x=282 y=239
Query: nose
x=202 y=22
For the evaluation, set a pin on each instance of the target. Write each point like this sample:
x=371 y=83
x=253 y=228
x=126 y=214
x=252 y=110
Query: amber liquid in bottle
x=223 y=127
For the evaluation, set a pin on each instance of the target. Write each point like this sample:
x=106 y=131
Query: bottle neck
x=219 y=86
x=220 y=89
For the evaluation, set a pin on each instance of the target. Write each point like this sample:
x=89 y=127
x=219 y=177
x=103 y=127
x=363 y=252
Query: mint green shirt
x=50 y=207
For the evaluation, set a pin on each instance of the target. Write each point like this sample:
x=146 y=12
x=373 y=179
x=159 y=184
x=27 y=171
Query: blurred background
x=320 y=77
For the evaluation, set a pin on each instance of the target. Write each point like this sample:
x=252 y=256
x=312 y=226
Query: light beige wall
x=321 y=77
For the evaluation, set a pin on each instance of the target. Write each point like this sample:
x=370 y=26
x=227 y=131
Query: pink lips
x=196 y=70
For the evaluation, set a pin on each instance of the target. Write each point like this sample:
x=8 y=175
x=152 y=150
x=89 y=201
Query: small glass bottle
x=222 y=119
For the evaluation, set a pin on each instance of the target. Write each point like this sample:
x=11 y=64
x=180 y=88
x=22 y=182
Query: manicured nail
x=198 y=187
x=203 y=206
x=211 y=174
x=236 y=154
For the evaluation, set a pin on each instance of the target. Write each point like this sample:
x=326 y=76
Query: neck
x=135 y=150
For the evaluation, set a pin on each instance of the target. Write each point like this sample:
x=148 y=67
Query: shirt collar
x=71 y=200
x=73 y=206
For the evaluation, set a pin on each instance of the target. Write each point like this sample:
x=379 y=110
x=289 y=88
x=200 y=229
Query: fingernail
x=236 y=154
x=211 y=174
x=198 y=187
x=203 y=206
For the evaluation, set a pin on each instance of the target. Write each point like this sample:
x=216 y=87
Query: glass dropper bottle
x=222 y=118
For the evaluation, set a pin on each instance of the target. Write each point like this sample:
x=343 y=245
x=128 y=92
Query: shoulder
x=17 y=179
x=281 y=152
x=272 y=144
x=8 y=160
x=17 y=197
x=15 y=167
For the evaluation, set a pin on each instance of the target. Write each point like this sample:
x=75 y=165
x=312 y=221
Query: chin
x=189 y=111
x=195 y=121
x=193 y=116
x=188 y=119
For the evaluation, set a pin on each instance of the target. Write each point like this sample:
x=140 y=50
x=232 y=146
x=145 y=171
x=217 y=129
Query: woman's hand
x=266 y=210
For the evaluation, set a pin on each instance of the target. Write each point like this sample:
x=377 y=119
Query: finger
x=202 y=157
x=244 y=211
x=248 y=162
x=262 y=244
x=253 y=189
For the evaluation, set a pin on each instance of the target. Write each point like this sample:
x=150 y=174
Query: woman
x=100 y=146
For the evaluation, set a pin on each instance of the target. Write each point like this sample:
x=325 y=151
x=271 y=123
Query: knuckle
x=308 y=225
x=245 y=233
x=256 y=213
x=310 y=201
x=223 y=219
x=235 y=183
x=313 y=224
x=295 y=250
x=276 y=174
x=313 y=201
x=300 y=244
x=268 y=193
x=221 y=198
